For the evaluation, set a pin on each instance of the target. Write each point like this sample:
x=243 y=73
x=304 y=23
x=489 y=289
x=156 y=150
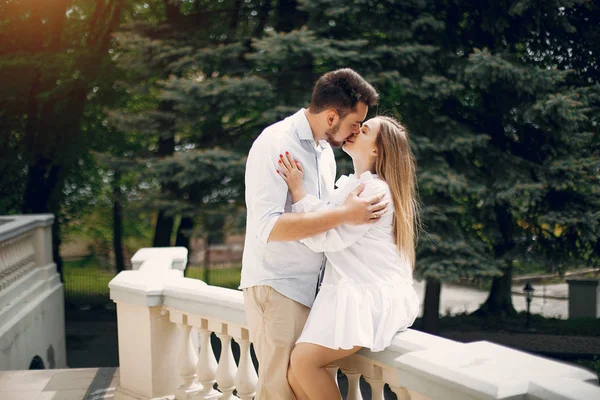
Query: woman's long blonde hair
x=396 y=165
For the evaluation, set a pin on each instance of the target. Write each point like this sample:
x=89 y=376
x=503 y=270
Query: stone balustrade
x=21 y=242
x=165 y=323
x=31 y=294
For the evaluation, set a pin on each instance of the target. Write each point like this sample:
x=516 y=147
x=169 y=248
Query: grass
x=86 y=283
x=223 y=275
x=86 y=280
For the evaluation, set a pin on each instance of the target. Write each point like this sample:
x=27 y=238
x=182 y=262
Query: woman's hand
x=292 y=173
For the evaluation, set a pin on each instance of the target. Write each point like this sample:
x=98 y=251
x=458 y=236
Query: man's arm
x=342 y=236
x=296 y=226
x=354 y=211
x=266 y=194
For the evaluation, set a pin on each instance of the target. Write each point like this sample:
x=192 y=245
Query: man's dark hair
x=341 y=90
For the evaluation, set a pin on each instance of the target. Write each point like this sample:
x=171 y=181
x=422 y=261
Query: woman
x=367 y=294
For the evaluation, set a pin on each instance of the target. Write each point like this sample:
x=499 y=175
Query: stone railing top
x=487 y=368
x=177 y=255
x=196 y=297
x=155 y=267
x=15 y=225
x=561 y=388
x=407 y=342
x=137 y=287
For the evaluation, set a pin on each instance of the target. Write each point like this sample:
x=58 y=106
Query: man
x=280 y=274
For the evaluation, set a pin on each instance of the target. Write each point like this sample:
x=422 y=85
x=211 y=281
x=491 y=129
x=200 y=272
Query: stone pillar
x=148 y=340
x=147 y=345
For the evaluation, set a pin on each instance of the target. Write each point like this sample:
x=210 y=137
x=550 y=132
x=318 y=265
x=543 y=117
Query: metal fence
x=87 y=290
x=218 y=274
x=83 y=290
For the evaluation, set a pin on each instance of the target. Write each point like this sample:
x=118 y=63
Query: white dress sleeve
x=344 y=235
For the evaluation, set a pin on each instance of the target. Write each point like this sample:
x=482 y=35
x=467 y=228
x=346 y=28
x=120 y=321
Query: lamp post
x=528 y=289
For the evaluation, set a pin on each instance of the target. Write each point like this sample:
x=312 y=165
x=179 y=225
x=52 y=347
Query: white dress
x=367 y=293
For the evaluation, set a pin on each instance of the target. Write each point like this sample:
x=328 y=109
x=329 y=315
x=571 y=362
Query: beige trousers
x=275 y=323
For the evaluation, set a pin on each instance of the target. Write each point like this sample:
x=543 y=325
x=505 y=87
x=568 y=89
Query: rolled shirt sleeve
x=344 y=235
x=266 y=191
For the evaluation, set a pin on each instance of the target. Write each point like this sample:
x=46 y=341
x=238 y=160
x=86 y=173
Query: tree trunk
x=163 y=230
x=118 y=223
x=42 y=196
x=431 y=306
x=499 y=301
x=288 y=17
x=183 y=232
x=172 y=12
x=235 y=16
x=37 y=194
x=164 y=222
x=207 y=244
x=263 y=16
x=56 y=241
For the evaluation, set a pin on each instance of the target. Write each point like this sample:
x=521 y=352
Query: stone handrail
x=165 y=322
x=31 y=294
x=24 y=243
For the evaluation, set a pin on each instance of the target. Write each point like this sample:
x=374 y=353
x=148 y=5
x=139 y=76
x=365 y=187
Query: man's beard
x=331 y=132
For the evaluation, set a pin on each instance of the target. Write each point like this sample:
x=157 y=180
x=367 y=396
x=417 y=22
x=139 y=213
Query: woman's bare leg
x=295 y=385
x=308 y=365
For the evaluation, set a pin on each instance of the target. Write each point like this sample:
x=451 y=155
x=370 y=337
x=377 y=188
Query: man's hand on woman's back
x=364 y=210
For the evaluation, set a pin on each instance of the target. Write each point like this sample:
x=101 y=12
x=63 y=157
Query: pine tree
x=198 y=110
x=536 y=122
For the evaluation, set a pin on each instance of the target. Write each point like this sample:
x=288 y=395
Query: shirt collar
x=302 y=126
x=303 y=129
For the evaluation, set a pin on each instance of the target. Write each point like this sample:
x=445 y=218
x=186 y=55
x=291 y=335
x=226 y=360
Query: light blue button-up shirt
x=291 y=268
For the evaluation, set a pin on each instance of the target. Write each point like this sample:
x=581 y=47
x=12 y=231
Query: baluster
x=353 y=385
x=227 y=368
x=246 y=378
x=187 y=359
x=373 y=374
x=333 y=371
x=207 y=364
x=376 y=388
x=401 y=392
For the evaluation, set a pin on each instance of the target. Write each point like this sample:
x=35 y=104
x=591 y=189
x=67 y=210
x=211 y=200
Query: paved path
x=459 y=299
x=59 y=384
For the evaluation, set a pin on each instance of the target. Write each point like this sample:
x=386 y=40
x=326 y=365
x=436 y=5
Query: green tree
x=52 y=55
x=198 y=110
x=536 y=121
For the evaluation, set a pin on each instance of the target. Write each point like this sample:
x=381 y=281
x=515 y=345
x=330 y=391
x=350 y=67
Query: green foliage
x=193 y=109
x=501 y=100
